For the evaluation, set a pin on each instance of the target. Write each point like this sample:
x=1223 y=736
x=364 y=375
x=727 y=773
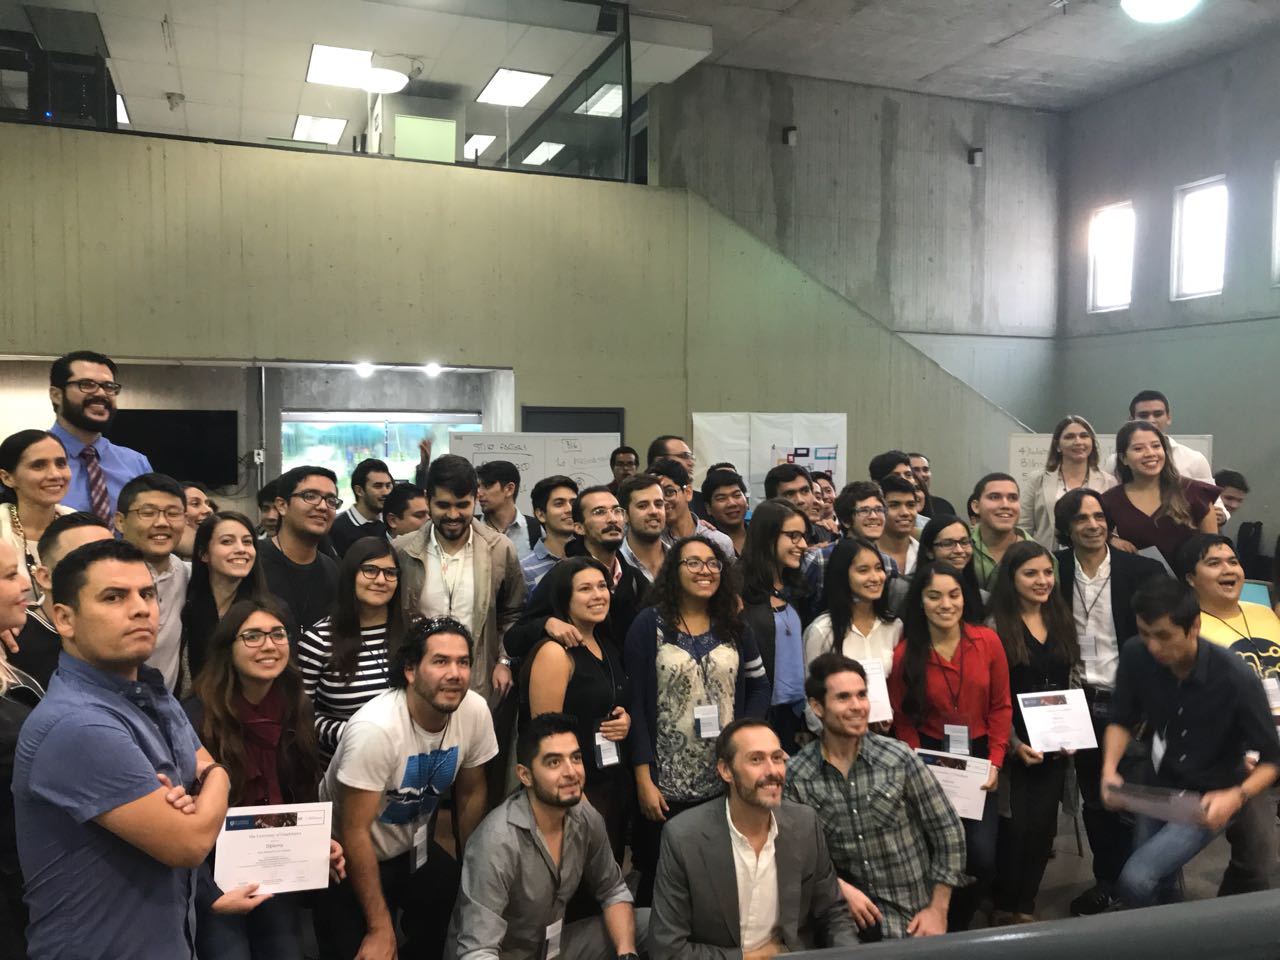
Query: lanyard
x=702 y=662
x=955 y=692
x=1247 y=635
x=1088 y=606
x=455 y=563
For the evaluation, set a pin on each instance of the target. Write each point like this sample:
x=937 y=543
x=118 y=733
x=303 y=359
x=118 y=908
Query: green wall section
x=594 y=293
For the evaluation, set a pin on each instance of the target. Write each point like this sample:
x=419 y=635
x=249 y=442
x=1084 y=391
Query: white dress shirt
x=171 y=594
x=450 y=588
x=1091 y=608
x=757 y=885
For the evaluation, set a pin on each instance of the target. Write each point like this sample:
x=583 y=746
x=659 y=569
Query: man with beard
x=528 y=857
x=598 y=523
x=297 y=571
x=83 y=390
x=897 y=844
x=398 y=754
x=725 y=494
x=371 y=482
x=643 y=547
x=762 y=858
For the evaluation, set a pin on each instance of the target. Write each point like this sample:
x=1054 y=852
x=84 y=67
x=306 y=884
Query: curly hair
x=723 y=606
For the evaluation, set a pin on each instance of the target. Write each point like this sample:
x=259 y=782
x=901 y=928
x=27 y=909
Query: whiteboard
x=582 y=456
x=1028 y=451
x=752 y=441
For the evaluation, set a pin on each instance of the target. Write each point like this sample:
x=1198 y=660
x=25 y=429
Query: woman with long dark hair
x=224 y=571
x=692 y=667
x=587 y=681
x=34 y=477
x=1155 y=506
x=345 y=658
x=253 y=717
x=1039 y=638
x=770 y=571
x=950 y=691
x=857 y=623
x=946 y=539
x=1072 y=463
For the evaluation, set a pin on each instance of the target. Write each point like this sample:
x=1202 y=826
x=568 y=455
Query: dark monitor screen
x=198 y=445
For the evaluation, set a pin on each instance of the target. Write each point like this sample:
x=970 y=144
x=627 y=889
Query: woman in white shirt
x=857 y=608
x=1072 y=463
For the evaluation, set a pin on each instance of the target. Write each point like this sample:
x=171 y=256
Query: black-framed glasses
x=313 y=497
x=796 y=537
x=370 y=571
x=109 y=387
x=962 y=544
x=870 y=511
x=256 y=638
x=150 y=512
x=698 y=564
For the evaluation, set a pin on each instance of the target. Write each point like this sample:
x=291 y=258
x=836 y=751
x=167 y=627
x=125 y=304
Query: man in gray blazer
x=749 y=877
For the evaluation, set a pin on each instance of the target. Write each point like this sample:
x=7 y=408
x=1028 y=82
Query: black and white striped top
x=336 y=699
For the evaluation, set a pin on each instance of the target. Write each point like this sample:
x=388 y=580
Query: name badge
x=1088 y=647
x=1272 y=686
x=957 y=738
x=606 y=752
x=551 y=949
x=706 y=721
x=421 y=844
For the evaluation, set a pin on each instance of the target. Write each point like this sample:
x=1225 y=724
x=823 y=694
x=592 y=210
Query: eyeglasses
x=964 y=544
x=149 y=512
x=869 y=511
x=109 y=387
x=697 y=564
x=313 y=497
x=256 y=638
x=796 y=537
x=670 y=493
x=614 y=511
x=370 y=571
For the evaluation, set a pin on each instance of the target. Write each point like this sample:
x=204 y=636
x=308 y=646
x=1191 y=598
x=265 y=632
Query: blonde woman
x=1072 y=463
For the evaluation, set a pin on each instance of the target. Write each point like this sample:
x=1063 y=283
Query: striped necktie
x=98 y=501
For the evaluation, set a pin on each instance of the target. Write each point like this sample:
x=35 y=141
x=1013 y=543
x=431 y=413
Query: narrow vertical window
x=1111 y=257
x=1200 y=239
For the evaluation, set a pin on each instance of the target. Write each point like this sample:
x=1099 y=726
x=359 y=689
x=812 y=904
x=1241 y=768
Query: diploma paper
x=961 y=778
x=1058 y=721
x=283 y=848
x=877 y=692
x=1161 y=803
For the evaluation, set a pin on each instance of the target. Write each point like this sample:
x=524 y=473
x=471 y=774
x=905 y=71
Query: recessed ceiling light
x=1158 y=11
x=385 y=80
x=477 y=144
x=542 y=153
x=364 y=370
x=339 y=66
x=319 y=129
x=512 y=88
x=433 y=369
x=122 y=114
x=605 y=102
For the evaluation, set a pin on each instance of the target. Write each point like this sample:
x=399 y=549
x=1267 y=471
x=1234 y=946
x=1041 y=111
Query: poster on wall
x=811 y=458
x=757 y=442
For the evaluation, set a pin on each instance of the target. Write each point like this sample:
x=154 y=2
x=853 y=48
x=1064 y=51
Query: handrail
x=1240 y=927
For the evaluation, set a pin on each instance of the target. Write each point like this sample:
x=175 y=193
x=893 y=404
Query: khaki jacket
x=499 y=593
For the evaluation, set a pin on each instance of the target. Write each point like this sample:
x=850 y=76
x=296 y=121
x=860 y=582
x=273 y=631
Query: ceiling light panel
x=605 y=102
x=339 y=66
x=319 y=129
x=542 y=153
x=477 y=144
x=122 y=113
x=512 y=88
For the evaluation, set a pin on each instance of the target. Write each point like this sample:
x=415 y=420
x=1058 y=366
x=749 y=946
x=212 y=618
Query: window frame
x=1175 y=274
x=1091 y=290
x=1275 y=225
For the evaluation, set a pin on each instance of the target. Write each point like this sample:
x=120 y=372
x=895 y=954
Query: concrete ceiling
x=1025 y=52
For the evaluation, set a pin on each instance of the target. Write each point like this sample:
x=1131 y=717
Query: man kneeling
x=527 y=858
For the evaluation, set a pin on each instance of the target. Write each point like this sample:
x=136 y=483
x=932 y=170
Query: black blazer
x=1128 y=572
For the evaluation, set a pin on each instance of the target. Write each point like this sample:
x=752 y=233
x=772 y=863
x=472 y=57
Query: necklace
x=30 y=561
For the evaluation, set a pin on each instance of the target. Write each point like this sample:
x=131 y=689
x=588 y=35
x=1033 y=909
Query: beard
x=74 y=414
x=552 y=798
x=428 y=693
x=750 y=793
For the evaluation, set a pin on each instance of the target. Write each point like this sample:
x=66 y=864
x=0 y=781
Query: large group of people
x=635 y=722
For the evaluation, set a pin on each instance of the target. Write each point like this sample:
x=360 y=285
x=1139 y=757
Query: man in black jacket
x=1098 y=581
x=598 y=521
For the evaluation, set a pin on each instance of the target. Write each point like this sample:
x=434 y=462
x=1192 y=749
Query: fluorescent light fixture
x=122 y=114
x=319 y=129
x=477 y=144
x=605 y=102
x=542 y=153
x=433 y=369
x=385 y=80
x=339 y=66
x=1158 y=11
x=512 y=88
x=364 y=370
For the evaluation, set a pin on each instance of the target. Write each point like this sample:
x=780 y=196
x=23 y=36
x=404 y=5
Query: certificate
x=961 y=778
x=282 y=848
x=877 y=692
x=1057 y=721
x=1159 y=803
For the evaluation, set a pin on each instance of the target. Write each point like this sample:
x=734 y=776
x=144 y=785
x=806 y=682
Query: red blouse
x=978 y=677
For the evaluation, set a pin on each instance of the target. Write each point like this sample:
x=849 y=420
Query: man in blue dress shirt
x=83 y=390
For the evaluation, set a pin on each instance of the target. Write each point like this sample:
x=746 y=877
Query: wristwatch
x=507 y=662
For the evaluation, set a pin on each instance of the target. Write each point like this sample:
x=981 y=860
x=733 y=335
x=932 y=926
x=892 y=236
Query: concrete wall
x=1214 y=356
x=879 y=202
x=589 y=292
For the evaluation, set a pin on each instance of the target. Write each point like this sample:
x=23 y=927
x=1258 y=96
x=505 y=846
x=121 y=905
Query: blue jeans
x=271 y=931
x=1160 y=851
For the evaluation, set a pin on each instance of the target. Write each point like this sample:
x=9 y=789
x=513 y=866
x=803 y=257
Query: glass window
x=341 y=439
x=1275 y=231
x=1200 y=239
x=1111 y=257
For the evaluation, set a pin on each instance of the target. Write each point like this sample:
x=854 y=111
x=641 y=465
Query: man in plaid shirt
x=897 y=844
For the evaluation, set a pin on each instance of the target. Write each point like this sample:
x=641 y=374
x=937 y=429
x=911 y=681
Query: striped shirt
x=336 y=698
